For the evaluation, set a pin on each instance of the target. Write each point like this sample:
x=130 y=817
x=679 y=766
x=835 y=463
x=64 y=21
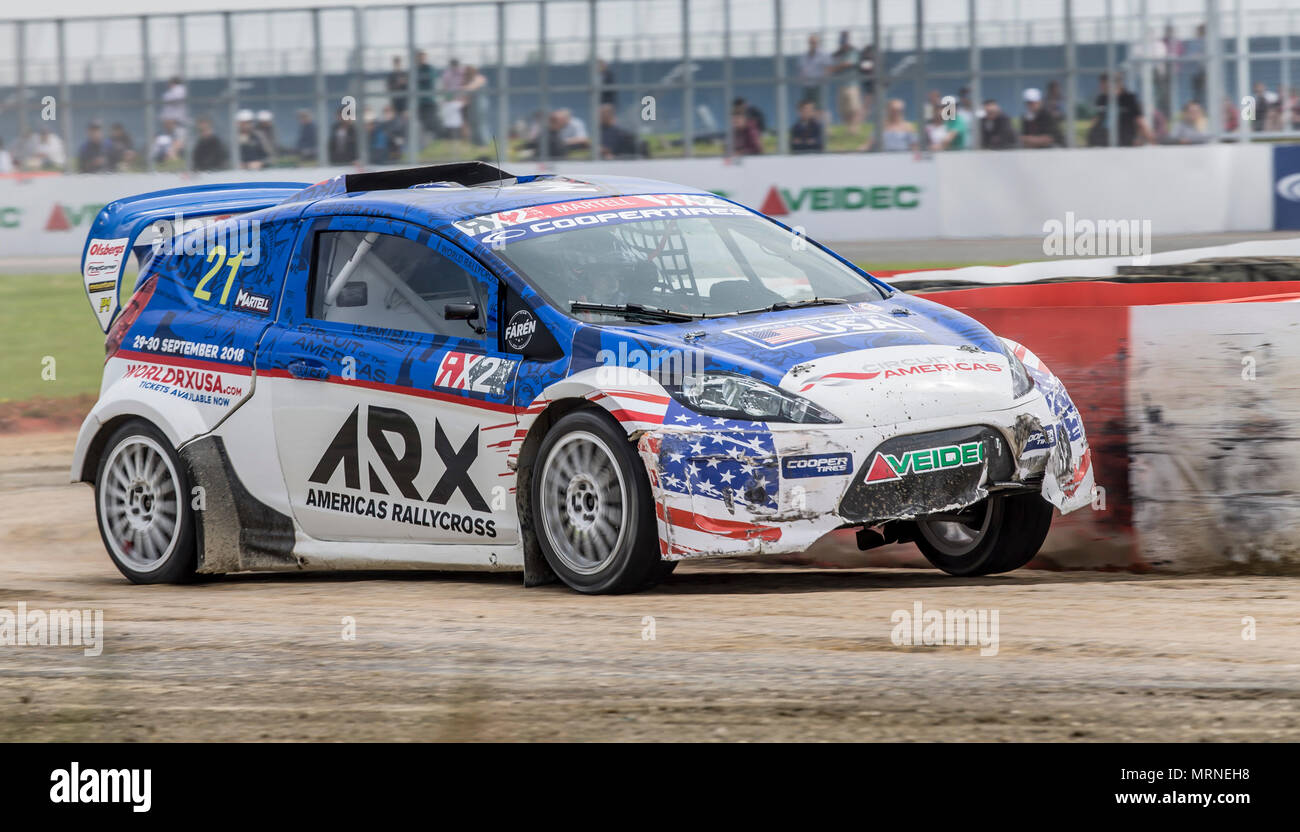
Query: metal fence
x=550 y=79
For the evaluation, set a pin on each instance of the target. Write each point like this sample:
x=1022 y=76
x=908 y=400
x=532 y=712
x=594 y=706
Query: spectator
x=1173 y=51
x=343 y=140
x=807 y=134
x=6 y=159
x=568 y=133
x=1191 y=126
x=265 y=128
x=746 y=140
x=25 y=151
x=996 y=132
x=174 y=102
x=1131 y=124
x=813 y=68
x=848 y=95
x=93 y=157
x=937 y=134
x=169 y=144
x=452 y=78
x=209 y=151
x=308 y=134
x=608 y=95
x=1053 y=102
x=451 y=111
x=393 y=126
x=615 y=142
x=398 y=81
x=48 y=152
x=899 y=134
x=1194 y=53
x=253 y=152
x=751 y=112
x=1231 y=115
x=472 y=93
x=386 y=136
x=947 y=127
x=1260 y=94
x=121 y=149
x=867 y=69
x=424 y=78
x=1038 y=127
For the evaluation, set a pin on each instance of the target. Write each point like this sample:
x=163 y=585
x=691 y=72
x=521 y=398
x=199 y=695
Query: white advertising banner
x=834 y=198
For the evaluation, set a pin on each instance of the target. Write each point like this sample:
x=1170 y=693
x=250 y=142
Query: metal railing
x=672 y=71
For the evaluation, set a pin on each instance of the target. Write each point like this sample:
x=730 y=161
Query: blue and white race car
x=450 y=367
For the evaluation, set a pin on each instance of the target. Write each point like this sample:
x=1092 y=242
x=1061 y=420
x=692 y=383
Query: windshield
x=717 y=264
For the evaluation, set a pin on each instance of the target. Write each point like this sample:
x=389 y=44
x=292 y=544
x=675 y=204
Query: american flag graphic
x=720 y=459
x=776 y=335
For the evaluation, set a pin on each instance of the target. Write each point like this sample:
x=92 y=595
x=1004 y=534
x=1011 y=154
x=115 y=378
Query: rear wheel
x=998 y=534
x=142 y=505
x=592 y=502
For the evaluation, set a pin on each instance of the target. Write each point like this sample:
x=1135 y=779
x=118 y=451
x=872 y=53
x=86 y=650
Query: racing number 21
x=218 y=253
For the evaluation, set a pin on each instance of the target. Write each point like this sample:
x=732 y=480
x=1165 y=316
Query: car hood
x=904 y=354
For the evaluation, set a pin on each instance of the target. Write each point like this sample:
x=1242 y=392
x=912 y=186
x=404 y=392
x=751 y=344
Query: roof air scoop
x=467 y=174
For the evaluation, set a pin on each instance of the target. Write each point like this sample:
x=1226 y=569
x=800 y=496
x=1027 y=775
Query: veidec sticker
x=894 y=467
x=816 y=465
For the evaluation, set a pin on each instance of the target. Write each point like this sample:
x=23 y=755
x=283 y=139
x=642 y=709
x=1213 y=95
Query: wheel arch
x=536 y=570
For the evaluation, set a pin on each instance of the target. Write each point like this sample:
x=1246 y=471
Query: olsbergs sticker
x=99 y=270
x=519 y=332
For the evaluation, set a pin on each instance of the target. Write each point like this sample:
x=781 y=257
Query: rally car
x=593 y=378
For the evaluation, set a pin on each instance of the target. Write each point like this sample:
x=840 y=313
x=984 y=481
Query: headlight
x=1021 y=383
x=732 y=396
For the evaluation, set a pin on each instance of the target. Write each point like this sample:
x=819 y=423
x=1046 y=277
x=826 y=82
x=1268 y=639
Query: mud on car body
x=592 y=379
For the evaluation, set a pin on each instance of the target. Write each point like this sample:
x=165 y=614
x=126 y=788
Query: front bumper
x=774 y=489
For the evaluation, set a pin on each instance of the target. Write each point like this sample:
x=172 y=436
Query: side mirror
x=353 y=293
x=460 y=311
x=467 y=312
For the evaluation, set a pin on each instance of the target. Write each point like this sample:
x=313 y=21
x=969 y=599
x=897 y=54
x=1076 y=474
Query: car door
x=392 y=400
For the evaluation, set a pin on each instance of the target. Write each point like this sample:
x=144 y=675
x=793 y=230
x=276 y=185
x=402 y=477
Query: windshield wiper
x=795 y=304
x=633 y=310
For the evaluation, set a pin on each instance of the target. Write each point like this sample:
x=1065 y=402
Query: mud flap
x=234 y=531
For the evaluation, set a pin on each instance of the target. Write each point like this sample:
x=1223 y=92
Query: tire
x=592 y=506
x=142 y=506
x=998 y=534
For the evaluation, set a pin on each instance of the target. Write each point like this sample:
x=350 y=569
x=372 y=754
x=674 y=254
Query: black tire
x=1017 y=526
x=178 y=555
x=612 y=490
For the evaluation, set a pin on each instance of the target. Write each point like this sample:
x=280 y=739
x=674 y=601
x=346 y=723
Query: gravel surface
x=740 y=652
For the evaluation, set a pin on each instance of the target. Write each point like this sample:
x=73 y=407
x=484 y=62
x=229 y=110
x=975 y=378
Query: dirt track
x=740 y=653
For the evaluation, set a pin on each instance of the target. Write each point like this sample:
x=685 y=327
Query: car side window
x=382 y=280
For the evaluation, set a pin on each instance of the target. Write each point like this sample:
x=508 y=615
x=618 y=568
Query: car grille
x=932 y=479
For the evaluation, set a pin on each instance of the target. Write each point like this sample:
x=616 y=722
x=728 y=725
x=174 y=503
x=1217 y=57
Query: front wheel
x=142 y=506
x=997 y=534
x=592 y=502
